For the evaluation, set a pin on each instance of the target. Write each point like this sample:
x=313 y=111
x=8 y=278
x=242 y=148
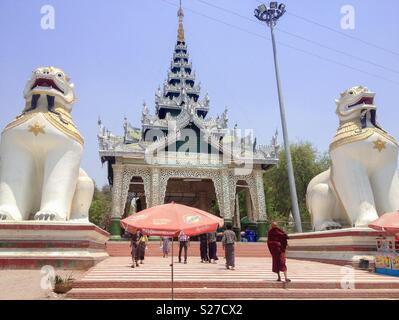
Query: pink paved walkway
x=114 y=279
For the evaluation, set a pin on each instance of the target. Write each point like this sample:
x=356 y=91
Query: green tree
x=307 y=163
x=100 y=210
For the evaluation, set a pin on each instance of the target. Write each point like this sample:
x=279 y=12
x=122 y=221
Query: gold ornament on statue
x=379 y=145
x=36 y=129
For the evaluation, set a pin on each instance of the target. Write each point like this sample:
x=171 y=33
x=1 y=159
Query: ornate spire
x=180 y=90
x=180 y=31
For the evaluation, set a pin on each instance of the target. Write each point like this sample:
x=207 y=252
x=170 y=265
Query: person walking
x=184 y=242
x=203 y=238
x=277 y=241
x=228 y=242
x=212 y=247
x=142 y=246
x=165 y=244
x=134 y=249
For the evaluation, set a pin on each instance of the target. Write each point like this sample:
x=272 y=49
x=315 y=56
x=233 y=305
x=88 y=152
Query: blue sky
x=118 y=52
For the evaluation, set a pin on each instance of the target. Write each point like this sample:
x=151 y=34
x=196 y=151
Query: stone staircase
x=252 y=279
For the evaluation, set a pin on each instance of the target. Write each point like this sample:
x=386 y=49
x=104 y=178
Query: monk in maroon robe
x=277 y=243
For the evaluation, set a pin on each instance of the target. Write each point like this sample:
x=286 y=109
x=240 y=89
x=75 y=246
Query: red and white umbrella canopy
x=388 y=222
x=169 y=219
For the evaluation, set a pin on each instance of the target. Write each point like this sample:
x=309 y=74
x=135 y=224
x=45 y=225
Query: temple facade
x=181 y=154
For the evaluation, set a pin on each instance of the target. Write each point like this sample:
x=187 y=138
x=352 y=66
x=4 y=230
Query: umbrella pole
x=172 y=269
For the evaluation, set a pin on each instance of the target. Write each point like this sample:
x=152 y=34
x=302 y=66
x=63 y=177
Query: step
x=147 y=284
x=218 y=293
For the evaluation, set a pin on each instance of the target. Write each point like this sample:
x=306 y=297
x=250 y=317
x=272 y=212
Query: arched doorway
x=243 y=213
x=136 y=198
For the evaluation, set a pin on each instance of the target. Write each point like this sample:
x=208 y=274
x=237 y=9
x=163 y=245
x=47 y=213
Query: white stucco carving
x=41 y=150
x=363 y=182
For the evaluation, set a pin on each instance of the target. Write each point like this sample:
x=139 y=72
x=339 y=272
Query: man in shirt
x=228 y=241
x=184 y=243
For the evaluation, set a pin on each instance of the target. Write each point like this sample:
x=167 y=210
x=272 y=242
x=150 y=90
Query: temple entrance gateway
x=181 y=154
x=194 y=192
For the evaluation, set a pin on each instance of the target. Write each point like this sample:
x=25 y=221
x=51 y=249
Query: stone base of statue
x=352 y=246
x=65 y=245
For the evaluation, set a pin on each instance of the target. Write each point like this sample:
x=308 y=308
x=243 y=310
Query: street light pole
x=270 y=15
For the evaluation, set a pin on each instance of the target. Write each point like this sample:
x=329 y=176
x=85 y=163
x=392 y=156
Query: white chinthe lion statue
x=40 y=153
x=362 y=182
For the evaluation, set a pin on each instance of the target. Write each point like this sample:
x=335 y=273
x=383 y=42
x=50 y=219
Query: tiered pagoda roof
x=178 y=105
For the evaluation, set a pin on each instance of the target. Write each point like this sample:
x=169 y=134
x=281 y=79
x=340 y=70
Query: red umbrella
x=388 y=222
x=169 y=219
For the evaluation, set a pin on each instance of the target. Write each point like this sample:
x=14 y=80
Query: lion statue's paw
x=9 y=213
x=329 y=225
x=47 y=216
x=4 y=215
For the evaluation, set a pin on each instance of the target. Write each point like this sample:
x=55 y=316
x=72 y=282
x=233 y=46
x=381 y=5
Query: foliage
x=60 y=280
x=100 y=210
x=307 y=163
x=63 y=285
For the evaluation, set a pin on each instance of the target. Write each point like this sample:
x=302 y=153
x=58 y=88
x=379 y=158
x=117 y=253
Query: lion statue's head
x=52 y=82
x=356 y=104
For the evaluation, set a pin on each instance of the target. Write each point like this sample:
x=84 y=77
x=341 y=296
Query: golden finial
x=180 y=31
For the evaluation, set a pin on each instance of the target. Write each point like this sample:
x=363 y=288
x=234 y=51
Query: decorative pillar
x=227 y=213
x=147 y=189
x=117 y=208
x=262 y=218
x=249 y=209
x=217 y=183
x=155 y=196
x=237 y=221
x=164 y=176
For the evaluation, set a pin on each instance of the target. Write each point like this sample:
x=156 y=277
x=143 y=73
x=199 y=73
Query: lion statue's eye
x=351 y=92
x=60 y=75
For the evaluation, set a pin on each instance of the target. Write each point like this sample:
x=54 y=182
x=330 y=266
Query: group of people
x=208 y=247
x=138 y=244
x=277 y=241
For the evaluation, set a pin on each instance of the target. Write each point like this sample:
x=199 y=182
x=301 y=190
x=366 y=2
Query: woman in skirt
x=142 y=246
x=165 y=244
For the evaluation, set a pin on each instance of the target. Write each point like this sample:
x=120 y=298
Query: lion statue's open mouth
x=357 y=104
x=362 y=101
x=43 y=83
